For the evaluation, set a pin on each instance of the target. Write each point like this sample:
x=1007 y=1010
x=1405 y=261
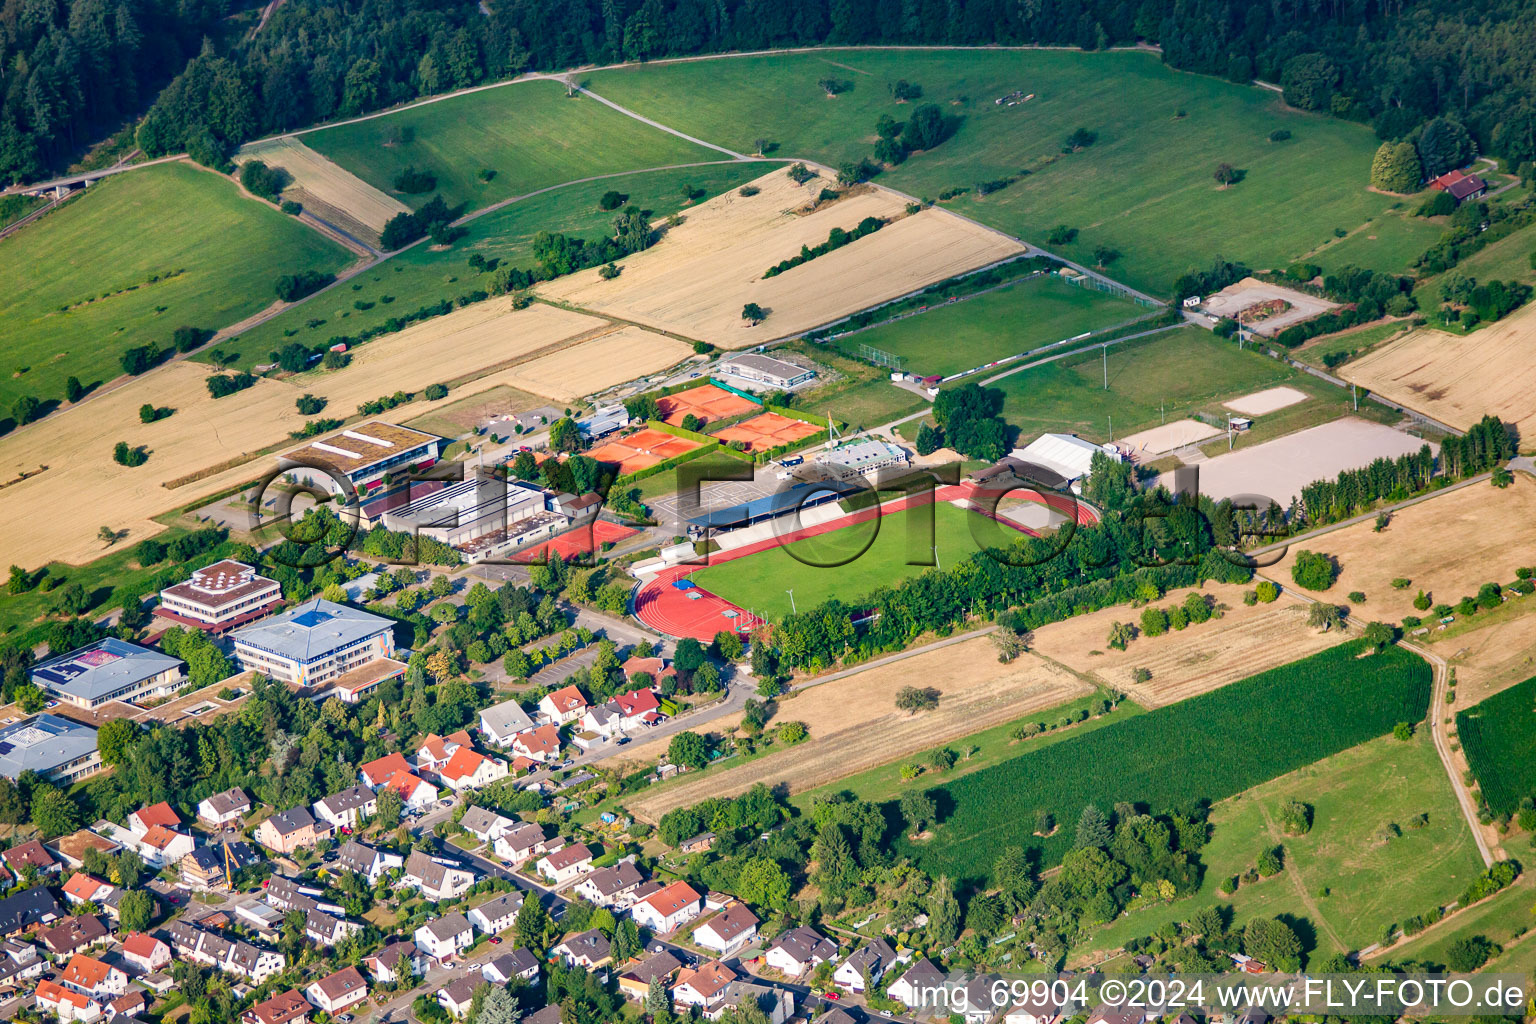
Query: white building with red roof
x=162 y=814
x=469 y=770
x=146 y=952
x=84 y=888
x=566 y=864
x=541 y=744
x=563 y=706
x=220 y=596
x=64 y=1004
x=667 y=909
x=94 y=978
x=435 y=751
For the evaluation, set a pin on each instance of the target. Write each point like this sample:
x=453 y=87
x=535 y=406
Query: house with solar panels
x=107 y=670
x=56 y=748
x=329 y=649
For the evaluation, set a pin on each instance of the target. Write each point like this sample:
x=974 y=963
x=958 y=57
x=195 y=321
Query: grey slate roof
x=290 y=821
x=349 y=799
x=42 y=743
x=107 y=665
x=312 y=630
x=28 y=907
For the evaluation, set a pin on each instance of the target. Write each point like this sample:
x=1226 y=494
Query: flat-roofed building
x=55 y=748
x=219 y=597
x=362 y=455
x=107 y=670
x=861 y=456
x=756 y=368
x=315 y=644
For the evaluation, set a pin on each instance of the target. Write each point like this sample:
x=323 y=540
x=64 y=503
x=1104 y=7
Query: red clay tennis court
x=583 y=540
x=770 y=430
x=643 y=449
x=707 y=402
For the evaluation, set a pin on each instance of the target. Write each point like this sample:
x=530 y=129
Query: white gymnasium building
x=362 y=455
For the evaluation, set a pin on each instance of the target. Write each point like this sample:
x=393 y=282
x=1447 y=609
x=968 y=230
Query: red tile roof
x=158 y=814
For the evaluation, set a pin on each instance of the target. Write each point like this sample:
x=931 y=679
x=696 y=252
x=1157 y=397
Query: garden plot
x=1265 y=308
x=1266 y=401
x=323 y=187
x=854 y=723
x=1279 y=469
x=1449 y=546
x=1459 y=379
x=1184 y=663
x=697 y=278
x=1168 y=437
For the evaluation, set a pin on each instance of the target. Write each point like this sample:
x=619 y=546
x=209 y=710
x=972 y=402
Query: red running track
x=663 y=607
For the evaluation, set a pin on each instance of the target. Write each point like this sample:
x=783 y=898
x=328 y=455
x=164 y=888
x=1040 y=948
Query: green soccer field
x=137 y=256
x=530 y=134
x=851 y=563
x=1144 y=188
x=1018 y=318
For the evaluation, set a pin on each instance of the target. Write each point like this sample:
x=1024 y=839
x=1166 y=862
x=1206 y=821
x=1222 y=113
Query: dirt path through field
x=1293 y=873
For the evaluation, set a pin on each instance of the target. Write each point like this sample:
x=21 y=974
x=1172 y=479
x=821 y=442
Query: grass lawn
x=1152 y=380
x=1357 y=343
x=849 y=563
x=862 y=396
x=1508 y=259
x=1144 y=188
x=993 y=745
x=1389 y=242
x=421 y=276
x=1018 y=318
x=1498 y=736
x=530 y=134
x=1371 y=882
x=13 y=208
x=1503 y=918
x=136 y=257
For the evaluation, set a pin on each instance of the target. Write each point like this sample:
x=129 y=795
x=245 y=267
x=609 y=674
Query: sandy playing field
x=58 y=513
x=696 y=279
x=1449 y=545
x=768 y=431
x=597 y=364
x=319 y=182
x=642 y=449
x=1268 y=400
x=1236 y=299
x=854 y=723
x=1279 y=469
x=707 y=402
x=1184 y=663
x=1458 y=379
x=1168 y=437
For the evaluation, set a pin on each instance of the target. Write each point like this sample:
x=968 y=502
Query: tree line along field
x=424 y=275
x=1371 y=880
x=1145 y=186
x=529 y=134
x=1206 y=748
x=169 y=246
x=1016 y=318
x=1498 y=736
x=849 y=563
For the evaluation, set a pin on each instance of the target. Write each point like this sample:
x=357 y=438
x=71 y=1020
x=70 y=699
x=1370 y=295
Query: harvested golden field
x=1188 y=662
x=1449 y=545
x=1494 y=657
x=324 y=186
x=1459 y=379
x=609 y=358
x=695 y=280
x=854 y=724
x=59 y=512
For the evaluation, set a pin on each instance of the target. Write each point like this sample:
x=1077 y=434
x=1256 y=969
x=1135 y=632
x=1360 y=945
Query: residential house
x=700 y=843
x=563 y=706
x=551 y=1014
x=209 y=867
x=33 y=855
x=161 y=846
x=288 y=1007
x=727 y=932
x=916 y=986
x=872 y=960
x=74 y=934
x=224 y=808
x=284 y=894
x=611 y=886
x=232 y=957
x=415 y=795
x=520 y=842
x=328 y=930
x=28 y=909
x=635 y=980
x=162 y=814
x=348 y=807
x=83 y=888
x=541 y=744
x=335 y=992
x=386 y=964
x=64 y=1004
x=92 y=977
x=457 y=995
x=19 y=962
x=444 y=937
x=519 y=963
x=668 y=909
x=498 y=914
x=777 y=1003
x=71 y=849
x=703 y=987
x=128 y=1006
x=656 y=669
x=1037 y=1008
x=589 y=949
x=290 y=830
x=467 y=770
x=499 y=723
x=638 y=708
x=367 y=861
x=375 y=773
x=436 y=877
x=798 y=951
x=977 y=1000
x=146 y=952
x=1110 y=1014
x=435 y=751
x=566 y=863
x=485 y=824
